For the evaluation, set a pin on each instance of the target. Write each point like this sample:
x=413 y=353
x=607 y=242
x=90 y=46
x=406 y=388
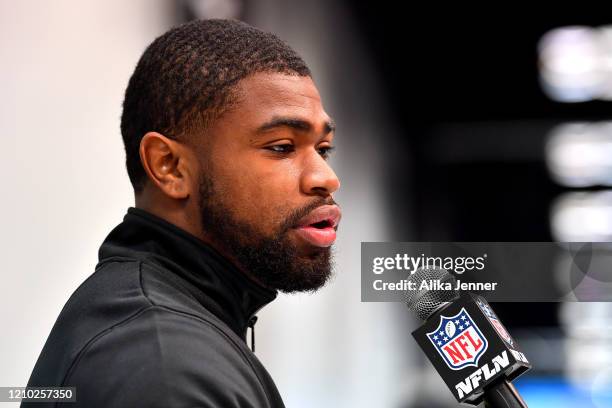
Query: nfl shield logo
x=458 y=340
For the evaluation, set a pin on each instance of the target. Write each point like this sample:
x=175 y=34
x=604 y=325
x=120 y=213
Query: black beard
x=273 y=261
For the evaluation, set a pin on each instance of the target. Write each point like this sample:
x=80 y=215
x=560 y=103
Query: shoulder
x=165 y=358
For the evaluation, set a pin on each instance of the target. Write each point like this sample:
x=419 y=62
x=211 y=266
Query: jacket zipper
x=252 y=322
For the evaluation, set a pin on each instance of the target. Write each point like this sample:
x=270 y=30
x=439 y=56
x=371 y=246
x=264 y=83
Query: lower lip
x=321 y=237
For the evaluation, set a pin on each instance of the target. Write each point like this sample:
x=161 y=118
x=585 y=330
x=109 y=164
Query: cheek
x=263 y=192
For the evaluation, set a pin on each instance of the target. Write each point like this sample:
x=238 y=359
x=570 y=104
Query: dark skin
x=268 y=153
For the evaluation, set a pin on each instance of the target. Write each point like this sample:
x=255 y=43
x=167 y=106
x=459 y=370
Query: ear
x=168 y=164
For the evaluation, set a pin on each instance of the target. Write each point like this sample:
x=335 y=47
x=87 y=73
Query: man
x=226 y=143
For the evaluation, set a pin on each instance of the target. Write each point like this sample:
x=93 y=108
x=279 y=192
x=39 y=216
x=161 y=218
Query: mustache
x=296 y=215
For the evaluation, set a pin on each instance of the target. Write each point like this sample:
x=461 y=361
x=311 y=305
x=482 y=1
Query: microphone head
x=424 y=302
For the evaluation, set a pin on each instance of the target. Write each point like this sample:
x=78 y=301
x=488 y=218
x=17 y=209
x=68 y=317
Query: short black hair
x=184 y=79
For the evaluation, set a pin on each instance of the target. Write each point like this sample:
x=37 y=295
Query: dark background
x=465 y=88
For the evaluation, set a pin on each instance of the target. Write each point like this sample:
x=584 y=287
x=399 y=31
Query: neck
x=182 y=213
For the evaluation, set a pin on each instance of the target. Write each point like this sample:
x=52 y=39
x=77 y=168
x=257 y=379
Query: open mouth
x=319 y=227
x=322 y=224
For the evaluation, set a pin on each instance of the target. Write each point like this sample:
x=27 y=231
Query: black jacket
x=162 y=322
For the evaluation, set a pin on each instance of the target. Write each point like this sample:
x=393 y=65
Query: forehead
x=264 y=95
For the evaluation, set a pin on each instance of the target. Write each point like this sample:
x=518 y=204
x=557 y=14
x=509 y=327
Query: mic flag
x=470 y=348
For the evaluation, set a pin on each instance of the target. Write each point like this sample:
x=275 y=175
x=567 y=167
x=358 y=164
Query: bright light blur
x=582 y=217
x=580 y=154
x=605 y=43
x=589 y=333
x=575 y=63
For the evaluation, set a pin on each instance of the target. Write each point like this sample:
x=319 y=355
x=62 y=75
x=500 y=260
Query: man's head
x=226 y=137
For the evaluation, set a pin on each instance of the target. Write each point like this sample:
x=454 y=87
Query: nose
x=318 y=178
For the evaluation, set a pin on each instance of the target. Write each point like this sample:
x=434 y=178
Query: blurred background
x=493 y=125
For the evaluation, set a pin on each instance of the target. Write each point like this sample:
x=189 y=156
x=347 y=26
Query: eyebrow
x=294 y=123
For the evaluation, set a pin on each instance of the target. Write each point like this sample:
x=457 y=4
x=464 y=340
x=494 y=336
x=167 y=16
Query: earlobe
x=165 y=162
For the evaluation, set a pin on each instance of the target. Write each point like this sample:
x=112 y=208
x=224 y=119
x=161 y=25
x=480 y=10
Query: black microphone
x=465 y=341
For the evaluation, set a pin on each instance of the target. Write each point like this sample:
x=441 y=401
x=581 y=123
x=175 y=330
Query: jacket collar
x=221 y=287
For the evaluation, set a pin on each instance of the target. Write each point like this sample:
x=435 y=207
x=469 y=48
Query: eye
x=325 y=151
x=283 y=148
